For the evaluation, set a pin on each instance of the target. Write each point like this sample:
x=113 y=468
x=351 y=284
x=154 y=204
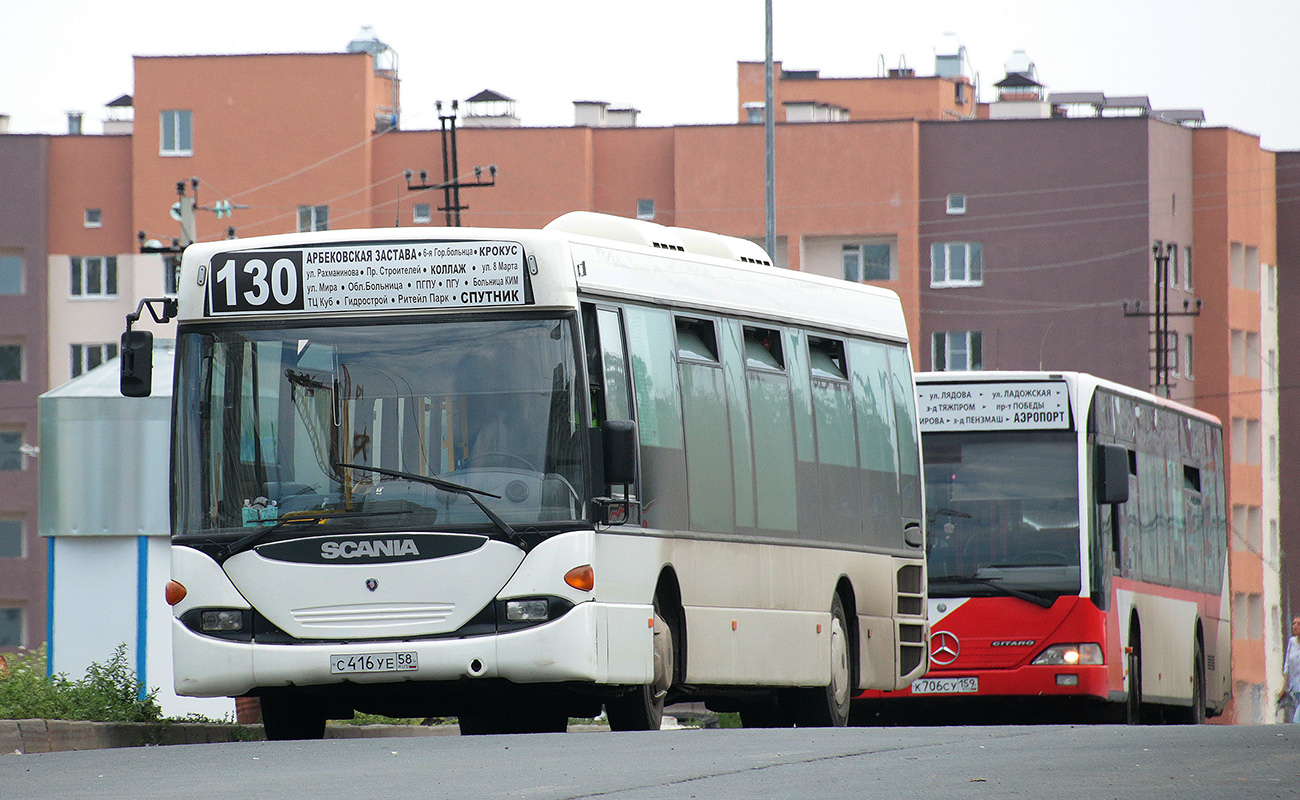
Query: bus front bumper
x=1027 y=681
x=594 y=642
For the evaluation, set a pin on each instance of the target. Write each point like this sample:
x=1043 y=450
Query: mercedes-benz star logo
x=372 y=584
x=944 y=648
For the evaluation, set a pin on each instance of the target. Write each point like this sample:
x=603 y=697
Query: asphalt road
x=1152 y=763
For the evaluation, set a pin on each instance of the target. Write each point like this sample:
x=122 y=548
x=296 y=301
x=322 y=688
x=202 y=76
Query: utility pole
x=769 y=140
x=451 y=182
x=1163 y=253
x=183 y=212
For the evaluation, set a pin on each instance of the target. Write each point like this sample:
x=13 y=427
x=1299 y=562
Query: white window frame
x=421 y=214
x=645 y=208
x=942 y=267
x=317 y=218
x=956 y=202
x=93 y=218
x=84 y=266
x=969 y=341
x=176 y=132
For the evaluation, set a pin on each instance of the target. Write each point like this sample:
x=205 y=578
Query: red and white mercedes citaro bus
x=1077 y=555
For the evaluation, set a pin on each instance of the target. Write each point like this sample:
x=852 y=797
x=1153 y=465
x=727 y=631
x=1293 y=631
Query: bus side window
x=613 y=357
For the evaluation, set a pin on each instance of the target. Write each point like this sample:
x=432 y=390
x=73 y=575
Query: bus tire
x=1132 y=713
x=289 y=716
x=1196 y=714
x=829 y=706
x=642 y=708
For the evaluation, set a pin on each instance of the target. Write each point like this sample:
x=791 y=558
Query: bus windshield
x=1004 y=513
x=379 y=427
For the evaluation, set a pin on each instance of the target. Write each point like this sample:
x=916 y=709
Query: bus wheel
x=1196 y=714
x=289 y=716
x=1133 y=683
x=828 y=706
x=642 y=709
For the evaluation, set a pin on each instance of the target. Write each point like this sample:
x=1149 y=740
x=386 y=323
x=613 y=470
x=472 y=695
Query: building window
x=867 y=262
x=94 y=218
x=177 y=133
x=1270 y=286
x=11 y=538
x=957 y=202
x=86 y=357
x=11 y=627
x=1187 y=267
x=420 y=214
x=94 y=276
x=956 y=264
x=11 y=274
x=11 y=362
x=11 y=451
x=313 y=218
x=958 y=350
x=645 y=209
x=1190 y=364
x=1173 y=266
x=171 y=274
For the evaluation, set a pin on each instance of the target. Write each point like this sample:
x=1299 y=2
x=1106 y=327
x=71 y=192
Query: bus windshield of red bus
x=365 y=426
x=1003 y=509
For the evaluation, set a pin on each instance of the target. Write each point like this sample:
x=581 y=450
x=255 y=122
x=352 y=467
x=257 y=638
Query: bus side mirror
x=620 y=446
x=1112 y=474
x=136 y=362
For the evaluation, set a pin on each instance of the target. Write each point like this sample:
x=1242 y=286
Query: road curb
x=19 y=736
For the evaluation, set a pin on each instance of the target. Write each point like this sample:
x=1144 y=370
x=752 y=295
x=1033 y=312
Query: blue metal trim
x=49 y=605
x=142 y=614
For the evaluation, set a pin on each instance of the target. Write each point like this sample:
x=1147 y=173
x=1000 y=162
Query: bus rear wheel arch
x=642 y=707
x=829 y=706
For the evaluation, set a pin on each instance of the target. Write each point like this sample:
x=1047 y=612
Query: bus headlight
x=528 y=610
x=1068 y=655
x=226 y=620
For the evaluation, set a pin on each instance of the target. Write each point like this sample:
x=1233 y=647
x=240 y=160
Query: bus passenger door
x=610 y=385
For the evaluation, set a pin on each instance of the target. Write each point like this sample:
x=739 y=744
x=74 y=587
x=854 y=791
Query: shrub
x=109 y=693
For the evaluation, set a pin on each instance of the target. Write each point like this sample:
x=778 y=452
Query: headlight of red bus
x=1068 y=655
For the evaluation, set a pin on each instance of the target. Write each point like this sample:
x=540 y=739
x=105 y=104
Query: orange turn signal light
x=581 y=578
x=175 y=593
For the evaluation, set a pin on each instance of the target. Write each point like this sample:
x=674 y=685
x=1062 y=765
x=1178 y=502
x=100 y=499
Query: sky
x=674 y=60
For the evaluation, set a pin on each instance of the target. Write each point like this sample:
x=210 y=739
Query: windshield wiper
x=992 y=583
x=246 y=542
x=511 y=535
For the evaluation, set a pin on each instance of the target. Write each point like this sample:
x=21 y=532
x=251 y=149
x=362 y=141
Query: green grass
x=110 y=692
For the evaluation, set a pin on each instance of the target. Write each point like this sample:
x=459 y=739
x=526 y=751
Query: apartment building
x=24 y=204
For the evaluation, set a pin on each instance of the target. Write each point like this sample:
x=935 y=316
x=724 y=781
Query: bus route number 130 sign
x=367 y=277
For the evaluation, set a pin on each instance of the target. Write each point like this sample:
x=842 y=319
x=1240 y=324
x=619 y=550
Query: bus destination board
x=379 y=276
x=1039 y=405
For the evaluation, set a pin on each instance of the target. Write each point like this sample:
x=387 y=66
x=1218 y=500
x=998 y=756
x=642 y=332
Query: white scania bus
x=515 y=476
